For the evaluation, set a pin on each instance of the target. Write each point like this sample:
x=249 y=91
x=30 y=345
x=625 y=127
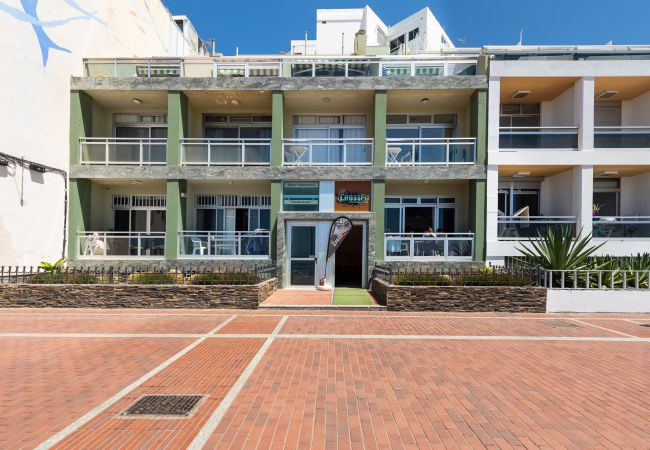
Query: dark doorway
x=418 y=219
x=349 y=260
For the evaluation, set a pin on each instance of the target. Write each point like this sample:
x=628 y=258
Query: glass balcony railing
x=225 y=152
x=429 y=247
x=622 y=137
x=621 y=227
x=518 y=227
x=123 y=151
x=538 y=137
x=111 y=244
x=411 y=152
x=224 y=244
x=313 y=152
x=286 y=66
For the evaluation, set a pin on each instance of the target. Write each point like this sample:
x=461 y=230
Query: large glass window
x=300 y=196
x=520 y=115
x=519 y=199
x=420 y=215
x=232 y=213
x=607 y=197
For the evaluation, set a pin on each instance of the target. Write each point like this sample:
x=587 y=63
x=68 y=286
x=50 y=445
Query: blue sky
x=266 y=26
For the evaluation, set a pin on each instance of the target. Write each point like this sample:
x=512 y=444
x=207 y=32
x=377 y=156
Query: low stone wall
x=135 y=296
x=460 y=298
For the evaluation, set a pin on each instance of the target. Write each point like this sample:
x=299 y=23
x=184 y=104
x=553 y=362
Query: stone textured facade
x=460 y=298
x=135 y=296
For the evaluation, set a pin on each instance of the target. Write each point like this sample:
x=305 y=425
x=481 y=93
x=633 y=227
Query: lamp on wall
x=37 y=168
x=137 y=101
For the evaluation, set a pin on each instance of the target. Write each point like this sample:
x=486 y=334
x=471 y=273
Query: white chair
x=197 y=246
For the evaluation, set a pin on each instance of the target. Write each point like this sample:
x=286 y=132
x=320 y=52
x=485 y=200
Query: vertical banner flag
x=339 y=230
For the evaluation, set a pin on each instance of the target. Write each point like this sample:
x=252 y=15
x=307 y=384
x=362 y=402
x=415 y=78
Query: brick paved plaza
x=324 y=379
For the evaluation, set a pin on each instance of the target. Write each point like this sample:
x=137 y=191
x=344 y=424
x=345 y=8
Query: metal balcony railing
x=622 y=137
x=225 y=152
x=429 y=247
x=123 y=151
x=224 y=244
x=517 y=227
x=621 y=227
x=411 y=152
x=538 y=137
x=345 y=152
x=447 y=64
x=111 y=244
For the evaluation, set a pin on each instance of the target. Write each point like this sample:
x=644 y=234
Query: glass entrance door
x=302 y=255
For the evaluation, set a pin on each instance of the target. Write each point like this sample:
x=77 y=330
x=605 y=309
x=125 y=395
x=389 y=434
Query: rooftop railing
x=622 y=137
x=429 y=246
x=621 y=227
x=286 y=66
x=411 y=152
x=112 y=244
x=123 y=151
x=538 y=137
x=314 y=152
x=518 y=227
x=224 y=244
x=225 y=152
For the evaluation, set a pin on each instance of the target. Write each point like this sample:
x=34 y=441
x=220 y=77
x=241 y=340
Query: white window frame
x=419 y=204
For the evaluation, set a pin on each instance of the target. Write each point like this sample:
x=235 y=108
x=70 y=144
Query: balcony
x=429 y=247
x=224 y=244
x=621 y=227
x=225 y=152
x=415 y=152
x=622 y=137
x=448 y=64
x=522 y=227
x=113 y=244
x=316 y=152
x=123 y=151
x=521 y=138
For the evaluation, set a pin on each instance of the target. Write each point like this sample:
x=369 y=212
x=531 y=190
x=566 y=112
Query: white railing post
x=209 y=161
x=141 y=152
x=345 y=153
x=106 y=161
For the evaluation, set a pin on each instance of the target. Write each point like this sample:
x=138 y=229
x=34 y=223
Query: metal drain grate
x=559 y=324
x=163 y=405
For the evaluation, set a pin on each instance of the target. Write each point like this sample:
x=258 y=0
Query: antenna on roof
x=462 y=40
x=521 y=38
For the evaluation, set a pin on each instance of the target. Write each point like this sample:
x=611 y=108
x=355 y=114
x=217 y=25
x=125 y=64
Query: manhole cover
x=559 y=324
x=163 y=405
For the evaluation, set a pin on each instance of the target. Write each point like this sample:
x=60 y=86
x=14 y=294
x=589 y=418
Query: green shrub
x=422 y=279
x=492 y=279
x=222 y=278
x=63 y=277
x=155 y=278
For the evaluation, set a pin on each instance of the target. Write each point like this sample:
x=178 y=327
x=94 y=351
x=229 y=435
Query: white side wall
x=634 y=195
x=557 y=194
x=636 y=112
x=35 y=105
x=559 y=111
x=335 y=30
x=597 y=301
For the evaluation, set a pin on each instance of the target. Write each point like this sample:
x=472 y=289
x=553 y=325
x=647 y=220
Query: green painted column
x=381 y=105
x=81 y=122
x=478 y=191
x=276 y=207
x=177 y=125
x=79 y=212
x=175 y=216
x=378 y=199
x=277 y=128
x=478 y=208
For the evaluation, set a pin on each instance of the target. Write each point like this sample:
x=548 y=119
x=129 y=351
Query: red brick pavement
x=623 y=326
x=49 y=383
x=211 y=369
x=440 y=326
x=250 y=325
x=423 y=394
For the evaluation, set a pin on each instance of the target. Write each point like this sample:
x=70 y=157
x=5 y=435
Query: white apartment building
x=568 y=145
x=344 y=32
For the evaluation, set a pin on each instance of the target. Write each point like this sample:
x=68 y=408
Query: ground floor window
x=420 y=214
x=233 y=212
x=139 y=222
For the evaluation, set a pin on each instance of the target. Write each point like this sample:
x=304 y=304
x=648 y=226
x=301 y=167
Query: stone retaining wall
x=460 y=298
x=135 y=296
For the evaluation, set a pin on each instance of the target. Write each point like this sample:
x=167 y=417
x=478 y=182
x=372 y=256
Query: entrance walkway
x=352 y=296
x=294 y=297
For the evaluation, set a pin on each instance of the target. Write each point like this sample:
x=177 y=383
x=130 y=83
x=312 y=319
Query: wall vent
x=606 y=94
x=521 y=93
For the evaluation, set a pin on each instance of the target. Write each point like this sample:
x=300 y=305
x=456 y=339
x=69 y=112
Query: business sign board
x=353 y=196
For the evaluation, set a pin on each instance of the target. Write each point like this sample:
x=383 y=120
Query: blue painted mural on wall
x=29 y=14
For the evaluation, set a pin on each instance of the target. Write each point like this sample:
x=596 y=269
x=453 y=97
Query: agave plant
x=556 y=249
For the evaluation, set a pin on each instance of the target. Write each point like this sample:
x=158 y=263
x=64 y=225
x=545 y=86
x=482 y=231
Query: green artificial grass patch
x=351 y=296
